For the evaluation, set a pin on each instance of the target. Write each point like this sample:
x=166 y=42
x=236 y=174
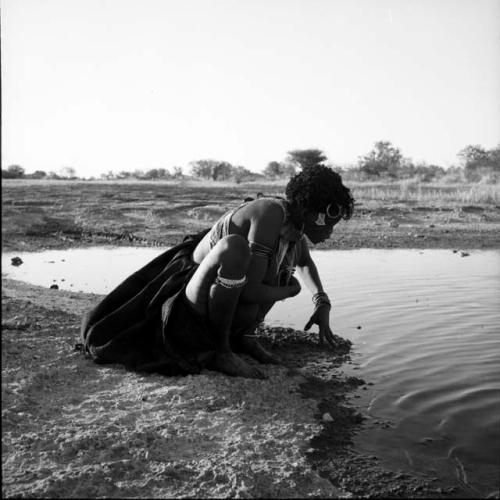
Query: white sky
x=116 y=85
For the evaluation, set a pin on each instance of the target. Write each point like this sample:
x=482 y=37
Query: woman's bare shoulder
x=265 y=218
x=270 y=209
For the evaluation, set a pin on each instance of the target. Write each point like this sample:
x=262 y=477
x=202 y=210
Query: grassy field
x=405 y=191
x=49 y=214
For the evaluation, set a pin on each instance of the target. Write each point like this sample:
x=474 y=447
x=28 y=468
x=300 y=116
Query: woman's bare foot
x=253 y=348
x=229 y=363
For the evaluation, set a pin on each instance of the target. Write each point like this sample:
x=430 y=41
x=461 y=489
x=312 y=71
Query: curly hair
x=316 y=187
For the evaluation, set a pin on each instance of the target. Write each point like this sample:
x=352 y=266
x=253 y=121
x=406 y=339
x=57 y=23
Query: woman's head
x=317 y=187
x=319 y=200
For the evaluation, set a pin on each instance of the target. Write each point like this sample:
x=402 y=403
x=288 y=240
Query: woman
x=199 y=302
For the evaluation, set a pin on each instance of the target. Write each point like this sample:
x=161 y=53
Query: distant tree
x=155 y=173
x=177 y=173
x=138 y=174
x=473 y=154
x=67 y=173
x=163 y=173
x=494 y=155
x=306 y=157
x=384 y=160
x=240 y=174
x=211 y=169
x=273 y=170
x=108 y=176
x=427 y=173
x=222 y=171
x=16 y=170
x=479 y=163
x=53 y=176
x=123 y=174
x=13 y=172
x=38 y=174
x=152 y=174
x=454 y=175
x=202 y=168
x=279 y=170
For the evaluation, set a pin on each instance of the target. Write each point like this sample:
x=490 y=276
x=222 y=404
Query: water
x=425 y=327
x=95 y=270
x=430 y=343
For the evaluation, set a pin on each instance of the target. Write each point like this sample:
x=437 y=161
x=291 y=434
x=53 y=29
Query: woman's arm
x=308 y=271
x=321 y=315
x=263 y=219
x=266 y=294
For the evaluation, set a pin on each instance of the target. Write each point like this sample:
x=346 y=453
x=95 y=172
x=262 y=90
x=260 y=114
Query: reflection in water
x=426 y=331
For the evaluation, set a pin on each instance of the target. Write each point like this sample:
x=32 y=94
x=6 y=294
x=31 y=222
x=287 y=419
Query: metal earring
x=329 y=208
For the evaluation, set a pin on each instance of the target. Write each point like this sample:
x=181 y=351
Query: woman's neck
x=295 y=214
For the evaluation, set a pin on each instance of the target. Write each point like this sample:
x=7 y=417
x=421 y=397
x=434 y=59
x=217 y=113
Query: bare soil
x=58 y=214
x=71 y=428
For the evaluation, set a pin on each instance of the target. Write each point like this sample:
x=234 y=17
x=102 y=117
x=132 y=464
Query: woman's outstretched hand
x=321 y=317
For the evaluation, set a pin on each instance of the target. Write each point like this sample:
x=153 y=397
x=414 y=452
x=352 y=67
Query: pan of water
x=425 y=327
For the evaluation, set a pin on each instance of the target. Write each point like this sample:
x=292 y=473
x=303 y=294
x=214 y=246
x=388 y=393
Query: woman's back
x=239 y=220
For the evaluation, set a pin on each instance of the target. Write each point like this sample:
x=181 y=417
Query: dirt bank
x=72 y=428
x=65 y=215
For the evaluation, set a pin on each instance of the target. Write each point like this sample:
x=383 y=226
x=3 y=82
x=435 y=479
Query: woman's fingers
x=325 y=333
x=330 y=338
x=309 y=323
x=321 y=337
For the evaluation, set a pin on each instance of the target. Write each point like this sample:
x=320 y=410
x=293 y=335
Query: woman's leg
x=246 y=319
x=214 y=291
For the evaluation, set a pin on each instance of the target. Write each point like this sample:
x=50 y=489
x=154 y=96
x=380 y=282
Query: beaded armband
x=230 y=283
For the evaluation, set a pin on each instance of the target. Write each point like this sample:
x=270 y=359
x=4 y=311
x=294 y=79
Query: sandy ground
x=75 y=429
x=71 y=428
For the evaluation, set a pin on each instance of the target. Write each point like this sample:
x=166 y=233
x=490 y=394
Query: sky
x=111 y=85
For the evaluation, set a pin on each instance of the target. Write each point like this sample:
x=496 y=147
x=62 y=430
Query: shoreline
x=74 y=428
x=386 y=234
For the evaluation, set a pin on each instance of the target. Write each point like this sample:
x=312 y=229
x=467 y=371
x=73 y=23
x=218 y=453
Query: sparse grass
x=483 y=193
x=408 y=190
x=415 y=191
x=56 y=214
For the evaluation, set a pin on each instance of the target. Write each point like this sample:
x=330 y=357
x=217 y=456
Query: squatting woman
x=197 y=304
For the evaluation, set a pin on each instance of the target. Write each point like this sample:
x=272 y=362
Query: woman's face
x=318 y=226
